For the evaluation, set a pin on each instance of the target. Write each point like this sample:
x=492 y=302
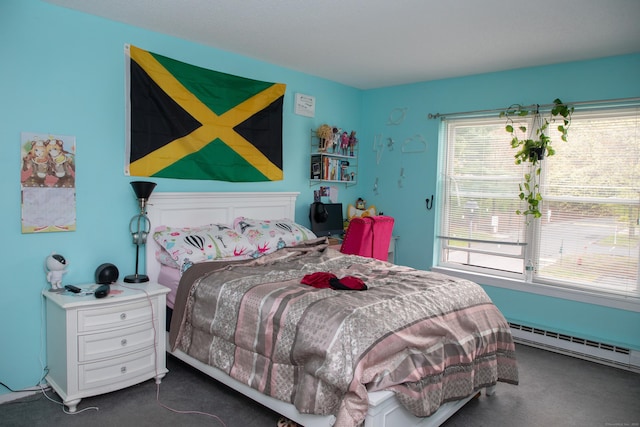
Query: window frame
x=530 y=249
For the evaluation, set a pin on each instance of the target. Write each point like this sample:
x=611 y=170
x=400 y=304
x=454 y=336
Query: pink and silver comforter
x=428 y=337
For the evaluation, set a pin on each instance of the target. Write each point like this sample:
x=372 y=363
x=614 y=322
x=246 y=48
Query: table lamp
x=140 y=226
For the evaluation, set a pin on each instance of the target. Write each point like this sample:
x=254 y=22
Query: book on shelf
x=329 y=168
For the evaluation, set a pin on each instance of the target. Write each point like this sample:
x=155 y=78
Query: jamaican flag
x=189 y=122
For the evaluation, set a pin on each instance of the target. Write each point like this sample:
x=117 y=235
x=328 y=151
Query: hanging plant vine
x=533 y=145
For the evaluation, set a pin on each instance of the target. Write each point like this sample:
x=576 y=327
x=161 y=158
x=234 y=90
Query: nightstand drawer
x=117 y=370
x=119 y=315
x=115 y=343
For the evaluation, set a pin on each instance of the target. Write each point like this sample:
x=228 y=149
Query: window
x=589 y=234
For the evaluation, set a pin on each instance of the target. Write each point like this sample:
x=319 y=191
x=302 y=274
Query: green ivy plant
x=532 y=145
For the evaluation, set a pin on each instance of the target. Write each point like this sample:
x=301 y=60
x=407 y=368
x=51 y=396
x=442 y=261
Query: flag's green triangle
x=215 y=159
x=218 y=91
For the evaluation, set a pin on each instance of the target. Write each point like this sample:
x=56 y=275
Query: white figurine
x=55 y=265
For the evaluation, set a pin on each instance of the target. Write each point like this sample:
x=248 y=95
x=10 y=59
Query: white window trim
x=514 y=281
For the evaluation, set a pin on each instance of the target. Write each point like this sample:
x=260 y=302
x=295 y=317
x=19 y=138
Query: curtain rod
x=534 y=106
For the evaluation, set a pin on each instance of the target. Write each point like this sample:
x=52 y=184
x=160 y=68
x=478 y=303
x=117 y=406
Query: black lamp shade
x=143 y=189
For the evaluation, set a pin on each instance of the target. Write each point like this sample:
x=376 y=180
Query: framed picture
x=305 y=105
x=315 y=170
x=48 y=182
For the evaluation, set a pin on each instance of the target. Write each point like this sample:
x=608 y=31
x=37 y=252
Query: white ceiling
x=376 y=43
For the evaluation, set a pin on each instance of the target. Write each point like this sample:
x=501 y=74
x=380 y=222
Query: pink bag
x=369 y=237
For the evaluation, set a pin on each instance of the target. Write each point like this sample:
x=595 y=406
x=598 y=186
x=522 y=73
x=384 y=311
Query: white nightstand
x=98 y=345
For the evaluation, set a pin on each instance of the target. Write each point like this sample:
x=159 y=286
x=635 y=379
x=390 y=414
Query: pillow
x=270 y=235
x=164 y=258
x=188 y=245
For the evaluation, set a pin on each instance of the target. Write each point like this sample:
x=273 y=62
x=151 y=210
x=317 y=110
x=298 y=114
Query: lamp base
x=136 y=278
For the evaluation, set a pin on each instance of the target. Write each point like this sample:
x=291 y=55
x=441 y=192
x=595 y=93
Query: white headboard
x=193 y=209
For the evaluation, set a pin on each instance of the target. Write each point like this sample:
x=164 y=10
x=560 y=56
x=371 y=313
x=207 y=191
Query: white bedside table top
x=120 y=291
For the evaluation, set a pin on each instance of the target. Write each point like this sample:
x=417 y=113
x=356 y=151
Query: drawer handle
x=123 y=342
x=123 y=316
x=123 y=370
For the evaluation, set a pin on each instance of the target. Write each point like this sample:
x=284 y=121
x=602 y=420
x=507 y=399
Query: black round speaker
x=106 y=274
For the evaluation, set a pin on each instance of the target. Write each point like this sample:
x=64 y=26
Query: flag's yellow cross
x=213 y=126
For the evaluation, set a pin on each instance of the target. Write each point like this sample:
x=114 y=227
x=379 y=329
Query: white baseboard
x=15 y=395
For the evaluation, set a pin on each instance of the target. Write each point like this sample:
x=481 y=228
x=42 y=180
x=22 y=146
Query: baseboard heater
x=607 y=354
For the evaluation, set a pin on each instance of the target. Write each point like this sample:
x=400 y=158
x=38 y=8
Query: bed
x=372 y=385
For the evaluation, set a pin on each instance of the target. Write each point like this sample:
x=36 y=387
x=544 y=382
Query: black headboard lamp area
x=326 y=219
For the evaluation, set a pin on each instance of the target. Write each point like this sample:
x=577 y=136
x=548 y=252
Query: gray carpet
x=554 y=390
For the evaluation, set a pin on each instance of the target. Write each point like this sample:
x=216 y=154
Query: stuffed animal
x=55 y=265
x=360 y=210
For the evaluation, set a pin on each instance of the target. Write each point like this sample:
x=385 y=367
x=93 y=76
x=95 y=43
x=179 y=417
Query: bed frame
x=191 y=209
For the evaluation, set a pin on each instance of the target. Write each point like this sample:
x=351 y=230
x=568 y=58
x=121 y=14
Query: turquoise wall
x=63 y=73
x=583 y=320
x=607 y=78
